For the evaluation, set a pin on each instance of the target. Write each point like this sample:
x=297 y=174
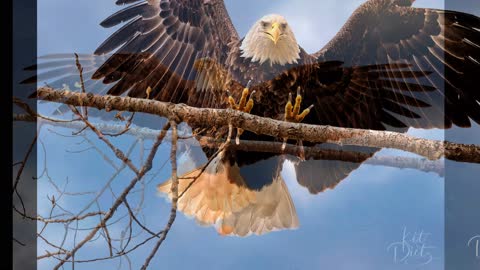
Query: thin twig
x=132 y=215
x=125 y=129
x=118 y=153
x=139 y=176
x=74 y=218
x=50 y=254
x=174 y=191
x=18 y=242
x=82 y=83
x=20 y=171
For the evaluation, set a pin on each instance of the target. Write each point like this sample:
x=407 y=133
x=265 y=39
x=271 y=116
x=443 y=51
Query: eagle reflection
x=254 y=198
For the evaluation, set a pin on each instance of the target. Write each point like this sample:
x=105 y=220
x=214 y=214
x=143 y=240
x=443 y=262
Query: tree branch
x=139 y=176
x=431 y=149
x=174 y=190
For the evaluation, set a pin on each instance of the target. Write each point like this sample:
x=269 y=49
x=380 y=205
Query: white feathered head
x=271 y=39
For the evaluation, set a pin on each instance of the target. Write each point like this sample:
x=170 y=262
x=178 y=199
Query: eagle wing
x=443 y=45
x=167 y=45
x=160 y=45
x=401 y=67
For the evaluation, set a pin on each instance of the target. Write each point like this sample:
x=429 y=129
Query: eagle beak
x=275 y=33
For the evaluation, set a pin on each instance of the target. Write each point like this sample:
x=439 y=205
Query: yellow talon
x=148 y=91
x=298 y=103
x=302 y=116
x=249 y=106
x=292 y=114
x=243 y=99
x=289 y=108
x=244 y=105
x=292 y=111
x=231 y=101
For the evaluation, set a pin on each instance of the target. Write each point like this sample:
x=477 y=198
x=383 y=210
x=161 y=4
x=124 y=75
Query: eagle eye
x=283 y=26
x=265 y=24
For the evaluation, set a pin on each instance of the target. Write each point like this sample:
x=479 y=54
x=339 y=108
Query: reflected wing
x=443 y=43
x=318 y=175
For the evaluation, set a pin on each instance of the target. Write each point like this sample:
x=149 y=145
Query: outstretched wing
x=160 y=44
x=401 y=67
x=443 y=43
x=60 y=71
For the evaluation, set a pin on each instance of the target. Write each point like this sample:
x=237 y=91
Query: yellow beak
x=275 y=33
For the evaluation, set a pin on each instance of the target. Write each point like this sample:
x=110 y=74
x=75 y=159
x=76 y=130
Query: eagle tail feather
x=217 y=196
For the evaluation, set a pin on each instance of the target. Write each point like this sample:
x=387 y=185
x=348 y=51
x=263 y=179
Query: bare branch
x=75 y=218
x=120 y=155
x=20 y=171
x=139 y=176
x=174 y=190
x=430 y=149
x=82 y=83
x=50 y=254
x=132 y=215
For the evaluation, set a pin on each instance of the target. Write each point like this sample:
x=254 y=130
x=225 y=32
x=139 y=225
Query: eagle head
x=271 y=39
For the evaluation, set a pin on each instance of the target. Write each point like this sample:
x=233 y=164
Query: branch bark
x=431 y=149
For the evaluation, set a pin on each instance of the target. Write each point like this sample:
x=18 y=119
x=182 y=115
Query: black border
x=6 y=108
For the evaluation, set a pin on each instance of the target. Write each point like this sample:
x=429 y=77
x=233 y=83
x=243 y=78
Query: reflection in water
x=253 y=198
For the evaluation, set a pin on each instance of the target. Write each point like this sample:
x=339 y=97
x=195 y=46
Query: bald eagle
x=390 y=67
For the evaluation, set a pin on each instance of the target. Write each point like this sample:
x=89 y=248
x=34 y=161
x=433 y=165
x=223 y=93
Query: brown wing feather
x=160 y=43
x=402 y=67
x=445 y=45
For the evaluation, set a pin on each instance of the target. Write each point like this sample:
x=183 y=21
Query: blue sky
x=349 y=227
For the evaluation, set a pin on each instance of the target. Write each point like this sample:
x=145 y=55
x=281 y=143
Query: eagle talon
x=292 y=111
x=245 y=104
x=148 y=92
x=292 y=114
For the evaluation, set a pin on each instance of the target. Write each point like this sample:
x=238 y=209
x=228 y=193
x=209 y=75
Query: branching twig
x=82 y=83
x=68 y=220
x=118 y=153
x=174 y=191
x=20 y=171
x=139 y=176
x=132 y=215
